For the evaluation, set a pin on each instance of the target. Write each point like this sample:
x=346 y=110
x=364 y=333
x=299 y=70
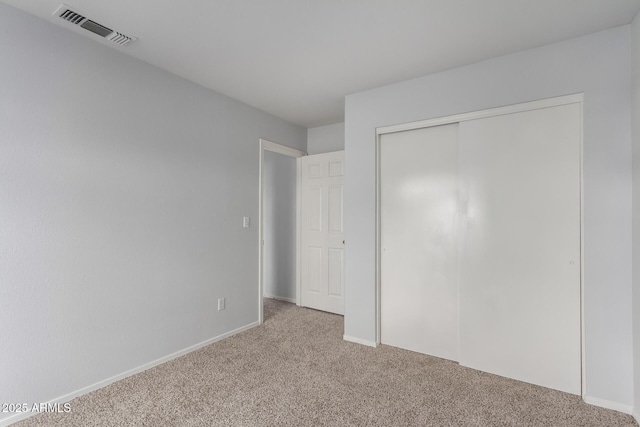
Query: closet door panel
x=520 y=246
x=418 y=217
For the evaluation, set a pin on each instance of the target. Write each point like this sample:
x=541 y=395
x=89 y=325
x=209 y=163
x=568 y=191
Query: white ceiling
x=297 y=59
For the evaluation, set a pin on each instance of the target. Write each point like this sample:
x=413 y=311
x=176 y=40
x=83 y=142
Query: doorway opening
x=279 y=224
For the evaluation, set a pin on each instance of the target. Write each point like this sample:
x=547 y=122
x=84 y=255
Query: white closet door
x=322 y=228
x=520 y=251
x=418 y=214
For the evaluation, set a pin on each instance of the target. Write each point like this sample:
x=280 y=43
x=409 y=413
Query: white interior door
x=520 y=267
x=322 y=232
x=418 y=211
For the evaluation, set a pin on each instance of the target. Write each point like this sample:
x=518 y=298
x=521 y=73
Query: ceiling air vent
x=75 y=18
x=71 y=16
x=120 y=39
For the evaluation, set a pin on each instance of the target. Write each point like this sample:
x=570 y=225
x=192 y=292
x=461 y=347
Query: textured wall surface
x=635 y=133
x=279 y=220
x=122 y=192
x=325 y=139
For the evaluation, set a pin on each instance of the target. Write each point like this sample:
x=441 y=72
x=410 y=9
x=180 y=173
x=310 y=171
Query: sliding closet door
x=418 y=214
x=520 y=246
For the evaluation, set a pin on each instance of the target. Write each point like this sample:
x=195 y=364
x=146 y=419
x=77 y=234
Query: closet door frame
x=492 y=112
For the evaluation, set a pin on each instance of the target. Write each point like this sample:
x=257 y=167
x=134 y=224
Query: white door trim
x=491 y=112
x=577 y=98
x=266 y=145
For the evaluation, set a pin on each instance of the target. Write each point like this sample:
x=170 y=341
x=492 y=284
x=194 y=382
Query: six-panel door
x=322 y=232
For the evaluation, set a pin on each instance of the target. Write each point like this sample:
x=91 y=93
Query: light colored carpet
x=296 y=370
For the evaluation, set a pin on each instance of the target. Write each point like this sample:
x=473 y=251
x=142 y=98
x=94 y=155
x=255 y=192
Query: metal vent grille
x=68 y=14
x=71 y=16
x=119 y=38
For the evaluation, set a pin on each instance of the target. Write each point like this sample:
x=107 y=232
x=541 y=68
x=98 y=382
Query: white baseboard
x=292 y=300
x=627 y=409
x=360 y=341
x=67 y=397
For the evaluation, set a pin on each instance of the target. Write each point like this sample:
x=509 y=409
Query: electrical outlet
x=220 y=304
x=246 y=222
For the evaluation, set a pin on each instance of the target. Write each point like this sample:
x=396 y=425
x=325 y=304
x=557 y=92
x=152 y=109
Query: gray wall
x=122 y=192
x=279 y=219
x=597 y=65
x=635 y=130
x=325 y=139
